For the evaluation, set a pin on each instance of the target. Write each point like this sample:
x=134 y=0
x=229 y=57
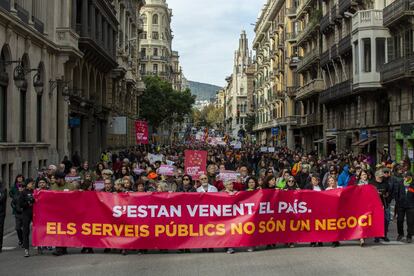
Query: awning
x=364 y=142
x=328 y=139
x=367 y=142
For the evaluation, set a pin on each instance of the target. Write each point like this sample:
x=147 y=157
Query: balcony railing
x=324 y=58
x=336 y=92
x=309 y=89
x=344 y=45
x=290 y=36
x=311 y=119
x=397 y=10
x=325 y=22
x=334 y=51
x=307 y=30
x=367 y=19
x=308 y=58
x=291 y=11
x=303 y=7
x=22 y=13
x=291 y=91
x=288 y=120
x=398 y=69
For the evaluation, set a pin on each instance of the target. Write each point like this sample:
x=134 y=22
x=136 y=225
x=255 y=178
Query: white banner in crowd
x=228 y=176
x=155 y=157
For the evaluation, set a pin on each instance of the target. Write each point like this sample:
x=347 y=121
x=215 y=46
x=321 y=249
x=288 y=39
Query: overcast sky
x=206 y=34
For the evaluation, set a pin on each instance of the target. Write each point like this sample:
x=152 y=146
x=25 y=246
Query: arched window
x=155 y=19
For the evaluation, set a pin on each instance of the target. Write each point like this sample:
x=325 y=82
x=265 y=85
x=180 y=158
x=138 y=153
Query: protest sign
x=195 y=163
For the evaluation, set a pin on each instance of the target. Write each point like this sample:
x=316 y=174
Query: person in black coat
x=315 y=185
x=3 y=204
x=26 y=201
x=404 y=200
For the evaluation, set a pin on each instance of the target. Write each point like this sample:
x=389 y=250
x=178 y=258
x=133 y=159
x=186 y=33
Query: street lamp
x=38 y=83
x=19 y=77
x=57 y=83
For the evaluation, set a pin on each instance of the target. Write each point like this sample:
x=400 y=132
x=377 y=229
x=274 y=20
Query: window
x=356 y=57
x=367 y=54
x=144 y=35
x=143 y=69
x=23 y=102
x=3 y=113
x=380 y=50
x=155 y=68
x=155 y=35
x=143 y=52
x=155 y=51
x=39 y=119
x=155 y=19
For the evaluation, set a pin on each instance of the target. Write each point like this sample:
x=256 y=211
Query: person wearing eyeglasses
x=187 y=186
x=205 y=186
x=317 y=187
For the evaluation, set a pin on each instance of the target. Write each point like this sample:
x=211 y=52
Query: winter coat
x=344 y=177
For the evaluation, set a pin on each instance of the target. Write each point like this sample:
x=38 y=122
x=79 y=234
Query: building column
x=85 y=25
x=92 y=17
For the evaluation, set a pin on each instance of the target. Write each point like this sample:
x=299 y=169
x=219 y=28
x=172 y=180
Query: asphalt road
x=394 y=258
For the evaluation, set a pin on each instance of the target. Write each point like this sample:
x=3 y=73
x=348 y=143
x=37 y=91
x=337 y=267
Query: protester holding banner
x=26 y=201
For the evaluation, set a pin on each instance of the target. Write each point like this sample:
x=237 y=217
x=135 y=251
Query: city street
x=349 y=259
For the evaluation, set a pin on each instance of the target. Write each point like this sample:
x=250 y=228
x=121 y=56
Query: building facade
x=348 y=65
x=39 y=51
x=60 y=83
x=275 y=81
x=127 y=81
x=156 y=54
x=236 y=91
x=397 y=76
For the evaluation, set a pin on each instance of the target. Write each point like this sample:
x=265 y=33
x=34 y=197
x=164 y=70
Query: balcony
x=291 y=91
x=397 y=69
x=291 y=37
x=310 y=89
x=306 y=4
x=308 y=59
x=325 y=22
x=324 y=58
x=291 y=12
x=367 y=19
x=288 y=120
x=397 y=11
x=344 y=45
x=336 y=92
x=334 y=52
x=307 y=31
x=309 y=120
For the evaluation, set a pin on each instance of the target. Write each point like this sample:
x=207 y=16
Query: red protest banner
x=141 y=132
x=195 y=162
x=205 y=220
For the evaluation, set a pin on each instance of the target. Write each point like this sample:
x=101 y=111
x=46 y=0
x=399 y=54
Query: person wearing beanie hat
x=404 y=205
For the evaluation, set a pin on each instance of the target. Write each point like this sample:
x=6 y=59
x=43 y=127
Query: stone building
x=275 y=61
x=60 y=83
x=397 y=78
x=128 y=85
x=156 y=55
x=38 y=52
x=356 y=106
x=236 y=90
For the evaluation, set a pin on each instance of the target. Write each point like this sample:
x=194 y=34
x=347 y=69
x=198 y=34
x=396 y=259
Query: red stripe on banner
x=205 y=220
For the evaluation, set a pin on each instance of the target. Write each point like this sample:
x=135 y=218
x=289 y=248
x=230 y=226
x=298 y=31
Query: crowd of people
x=133 y=170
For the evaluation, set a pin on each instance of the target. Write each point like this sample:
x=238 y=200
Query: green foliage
x=160 y=103
x=209 y=116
